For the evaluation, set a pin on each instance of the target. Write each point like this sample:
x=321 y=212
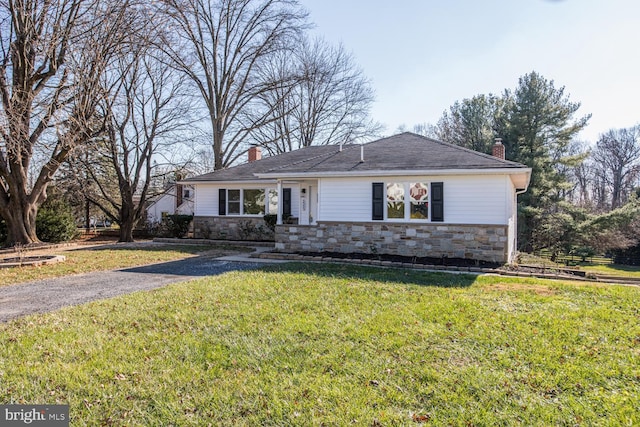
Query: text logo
x=34 y=415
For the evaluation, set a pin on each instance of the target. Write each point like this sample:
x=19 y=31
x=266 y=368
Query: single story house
x=403 y=195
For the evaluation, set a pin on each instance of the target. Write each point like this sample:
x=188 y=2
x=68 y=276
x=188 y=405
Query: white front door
x=304 y=205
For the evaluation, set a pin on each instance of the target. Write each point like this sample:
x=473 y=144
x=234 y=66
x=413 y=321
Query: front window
x=250 y=201
x=233 y=202
x=395 y=201
x=253 y=202
x=419 y=192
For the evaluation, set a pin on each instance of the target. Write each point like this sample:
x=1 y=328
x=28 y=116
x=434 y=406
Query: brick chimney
x=255 y=153
x=498 y=149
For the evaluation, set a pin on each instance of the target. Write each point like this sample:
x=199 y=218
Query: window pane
x=233 y=202
x=395 y=200
x=233 y=208
x=419 y=210
x=419 y=193
x=253 y=202
x=273 y=202
x=395 y=192
x=395 y=210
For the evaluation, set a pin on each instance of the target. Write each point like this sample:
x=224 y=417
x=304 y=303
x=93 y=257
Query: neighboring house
x=404 y=195
x=178 y=199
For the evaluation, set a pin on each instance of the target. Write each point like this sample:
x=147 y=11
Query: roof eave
x=420 y=172
x=232 y=181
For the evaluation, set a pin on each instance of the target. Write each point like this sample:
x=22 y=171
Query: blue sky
x=423 y=55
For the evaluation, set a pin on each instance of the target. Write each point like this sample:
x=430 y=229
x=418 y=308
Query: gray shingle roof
x=403 y=152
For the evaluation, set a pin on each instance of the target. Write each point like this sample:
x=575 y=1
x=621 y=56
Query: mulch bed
x=444 y=261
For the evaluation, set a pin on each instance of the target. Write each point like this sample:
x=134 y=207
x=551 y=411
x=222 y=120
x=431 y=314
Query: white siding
x=166 y=203
x=474 y=199
x=206 y=203
x=478 y=199
x=343 y=199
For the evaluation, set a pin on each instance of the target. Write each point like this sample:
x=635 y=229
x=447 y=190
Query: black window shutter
x=437 y=202
x=286 y=202
x=377 y=208
x=222 y=201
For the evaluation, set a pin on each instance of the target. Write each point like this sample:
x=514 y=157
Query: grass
x=614 y=270
x=300 y=344
x=109 y=257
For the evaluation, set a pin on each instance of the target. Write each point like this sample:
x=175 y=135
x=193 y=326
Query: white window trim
x=266 y=204
x=407 y=202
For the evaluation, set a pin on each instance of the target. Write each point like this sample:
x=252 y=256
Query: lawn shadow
x=380 y=274
x=148 y=246
x=199 y=266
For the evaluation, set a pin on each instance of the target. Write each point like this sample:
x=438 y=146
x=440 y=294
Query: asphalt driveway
x=51 y=294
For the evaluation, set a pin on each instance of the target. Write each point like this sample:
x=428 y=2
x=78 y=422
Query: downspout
x=515 y=232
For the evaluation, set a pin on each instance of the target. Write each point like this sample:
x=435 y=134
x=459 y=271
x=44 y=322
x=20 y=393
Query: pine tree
x=539 y=128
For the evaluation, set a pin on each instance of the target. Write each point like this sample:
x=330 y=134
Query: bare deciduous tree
x=143 y=113
x=220 y=46
x=617 y=163
x=51 y=54
x=323 y=99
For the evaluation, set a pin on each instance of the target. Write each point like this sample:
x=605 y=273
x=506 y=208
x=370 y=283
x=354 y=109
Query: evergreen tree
x=539 y=128
x=471 y=123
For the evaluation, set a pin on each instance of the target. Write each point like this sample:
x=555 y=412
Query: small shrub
x=3 y=232
x=271 y=220
x=583 y=252
x=55 y=221
x=177 y=225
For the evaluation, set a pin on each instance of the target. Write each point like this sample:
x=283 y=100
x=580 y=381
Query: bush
x=177 y=225
x=270 y=220
x=3 y=232
x=55 y=221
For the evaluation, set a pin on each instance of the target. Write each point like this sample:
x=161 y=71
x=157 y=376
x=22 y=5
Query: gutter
x=373 y=173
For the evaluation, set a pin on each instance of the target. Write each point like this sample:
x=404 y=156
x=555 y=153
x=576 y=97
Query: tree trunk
x=87 y=213
x=126 y=231
x=218 y=136
x=128 y=220
x=20 y=218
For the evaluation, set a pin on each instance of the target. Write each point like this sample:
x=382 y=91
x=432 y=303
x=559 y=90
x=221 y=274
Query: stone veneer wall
x=231 y=228
x=479 y=242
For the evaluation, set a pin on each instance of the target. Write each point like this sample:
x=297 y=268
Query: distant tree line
x=581 y=198
x=104 y=98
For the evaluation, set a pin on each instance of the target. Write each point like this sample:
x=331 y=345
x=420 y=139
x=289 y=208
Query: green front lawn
x=304 y=344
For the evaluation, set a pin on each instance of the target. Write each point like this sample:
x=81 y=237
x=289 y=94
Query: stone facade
x=478 y=242
x=231 y=228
